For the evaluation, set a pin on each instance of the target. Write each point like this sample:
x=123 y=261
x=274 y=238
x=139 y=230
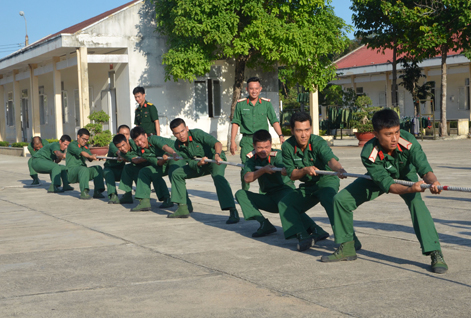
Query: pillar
x=314 y=107
x=56 y=83
x=388 y=90
x=34 y=91
x=354 y=85
x=3 y=120
x=17 y=106
x=82 y=71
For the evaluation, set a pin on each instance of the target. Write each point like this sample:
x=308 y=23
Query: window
x=10 y=110
x=382 y=98
x=65 y=106
x=24 y=108
x=208 y=97
x=359 y=91
x=43 y=111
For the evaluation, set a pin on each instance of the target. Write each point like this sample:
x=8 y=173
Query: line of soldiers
x=393 y=154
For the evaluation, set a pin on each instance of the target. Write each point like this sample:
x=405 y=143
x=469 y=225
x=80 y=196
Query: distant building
x=50 y=87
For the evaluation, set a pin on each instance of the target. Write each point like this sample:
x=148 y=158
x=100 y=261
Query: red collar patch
x=142 y=151
x=79 y=146
x=145 y=105
x=190 y=138
x=381 y=155
x=399 y=148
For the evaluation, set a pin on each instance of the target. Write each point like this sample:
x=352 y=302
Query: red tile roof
x=365 y=56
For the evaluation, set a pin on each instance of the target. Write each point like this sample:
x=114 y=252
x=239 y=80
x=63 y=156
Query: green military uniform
x=113 y=169
x=145 y=117
x=313 y=189
x=407 y=160
x=44 y=162
x=79 y=172
x=131 y=172
x=31 y=150
x=200 y=144
x=250 y=119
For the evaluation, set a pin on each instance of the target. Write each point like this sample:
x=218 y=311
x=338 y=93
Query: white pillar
x=3 y=122
x=17 y=106
x=56 y=81
x=469 y=82
x=82 y=72
x=354 y=85
x=34 y=89
x=314 y=107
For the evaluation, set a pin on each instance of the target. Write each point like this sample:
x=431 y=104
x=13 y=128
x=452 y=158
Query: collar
x=259 y=100
x=83 y=146
x=296 y=148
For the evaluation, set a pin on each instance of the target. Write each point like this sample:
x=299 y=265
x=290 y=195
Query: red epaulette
x=404 y=143
x=374 y=153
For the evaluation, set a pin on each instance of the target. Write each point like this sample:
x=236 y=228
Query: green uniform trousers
x=223 y=189
x=56 y=171
x=251 y=203
x=362 y=190
x=146 y=176
x=293 y=206
x=83 y=175
x=112 y=174
x=32 y=172
x=246 y=146
x=131 y=173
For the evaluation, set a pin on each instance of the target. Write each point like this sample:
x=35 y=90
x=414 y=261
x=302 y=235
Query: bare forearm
x=252 y=176
x=400 y=189
x=277 y=128
x=157 y=127
x=430 y=178
x=335 y=165
x=168 y=150
x=234 y=131
x=218 y=147
x=297 y=174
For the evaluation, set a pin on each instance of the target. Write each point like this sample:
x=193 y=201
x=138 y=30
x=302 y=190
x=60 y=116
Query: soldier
x=146 y=114
x=250 y=115
x=114 y=168
x=303 y=154
x=392 y=154
x=77 y=169
x=151 y=148
x=275 y=185
x=191 y=144
x=46 y=160
x=35 y=144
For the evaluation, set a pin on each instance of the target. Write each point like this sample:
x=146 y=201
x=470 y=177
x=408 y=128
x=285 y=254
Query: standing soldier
x=146 y=114
x=274 y=184
x=303 y=154
x=46 y=160
x=77 y=169
x=114 y=168
x=251 y=115
x=392 y=154
x=195 y=143
x=35 y=144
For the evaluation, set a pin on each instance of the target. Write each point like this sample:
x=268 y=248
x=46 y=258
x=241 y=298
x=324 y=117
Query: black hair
x=137 y=131
x=385 y=118
x=253 y=79
x=138 y=89
x=301 y=117
x=119 y=138
x=66 y=138
x=177 y=122
x=123 y=126
x=35 y=138
x=261 y=135
x=83 y=131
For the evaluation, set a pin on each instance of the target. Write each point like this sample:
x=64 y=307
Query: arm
x=60 y=155
x=277 y=128
x=88 y=156
x=251 y=176
x=218 y=148
x=234 y=131
x=337 y=167
x=157 y=127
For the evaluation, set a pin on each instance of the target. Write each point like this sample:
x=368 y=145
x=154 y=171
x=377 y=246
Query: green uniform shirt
x=383 y=168
x=200 y=144
x=31 y=149
x=145 y=117
x=74 y=157
x=317 y=153
x=155 y=150
x=113 y=152
x=47 y=151
x=252 y=118
x=268 y=182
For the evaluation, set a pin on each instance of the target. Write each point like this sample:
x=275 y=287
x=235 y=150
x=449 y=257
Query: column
x=388 y=90
x=17 y=106
x=354 y=85
x=34 y=91
x=82 y=71
x=56 y=83
x=314 y=107
x=3 y=121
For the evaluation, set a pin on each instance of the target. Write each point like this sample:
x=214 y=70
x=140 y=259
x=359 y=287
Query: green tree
x=299 y=34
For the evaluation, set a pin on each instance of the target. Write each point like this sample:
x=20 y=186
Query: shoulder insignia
x=404 y=143
x=241 y=100
x=150 y=104
x=373 y=154
x=273 y=153
x=265 y=99
x=251 y=154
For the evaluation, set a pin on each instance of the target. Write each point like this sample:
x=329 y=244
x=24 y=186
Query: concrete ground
x=63 y=257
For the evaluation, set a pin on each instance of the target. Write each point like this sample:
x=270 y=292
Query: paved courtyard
x=64 y=257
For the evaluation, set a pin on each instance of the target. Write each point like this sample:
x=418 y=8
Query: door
x=24 y=115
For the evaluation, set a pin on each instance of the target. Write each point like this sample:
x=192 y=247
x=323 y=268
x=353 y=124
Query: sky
x=47 y=17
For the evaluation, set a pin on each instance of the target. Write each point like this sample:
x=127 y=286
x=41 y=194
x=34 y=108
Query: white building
x=370 y=72
x=50 y=87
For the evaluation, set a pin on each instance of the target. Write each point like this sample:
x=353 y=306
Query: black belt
x=247 y=135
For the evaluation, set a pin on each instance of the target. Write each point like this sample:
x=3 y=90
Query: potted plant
x=99 y=138
x=362 y=120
